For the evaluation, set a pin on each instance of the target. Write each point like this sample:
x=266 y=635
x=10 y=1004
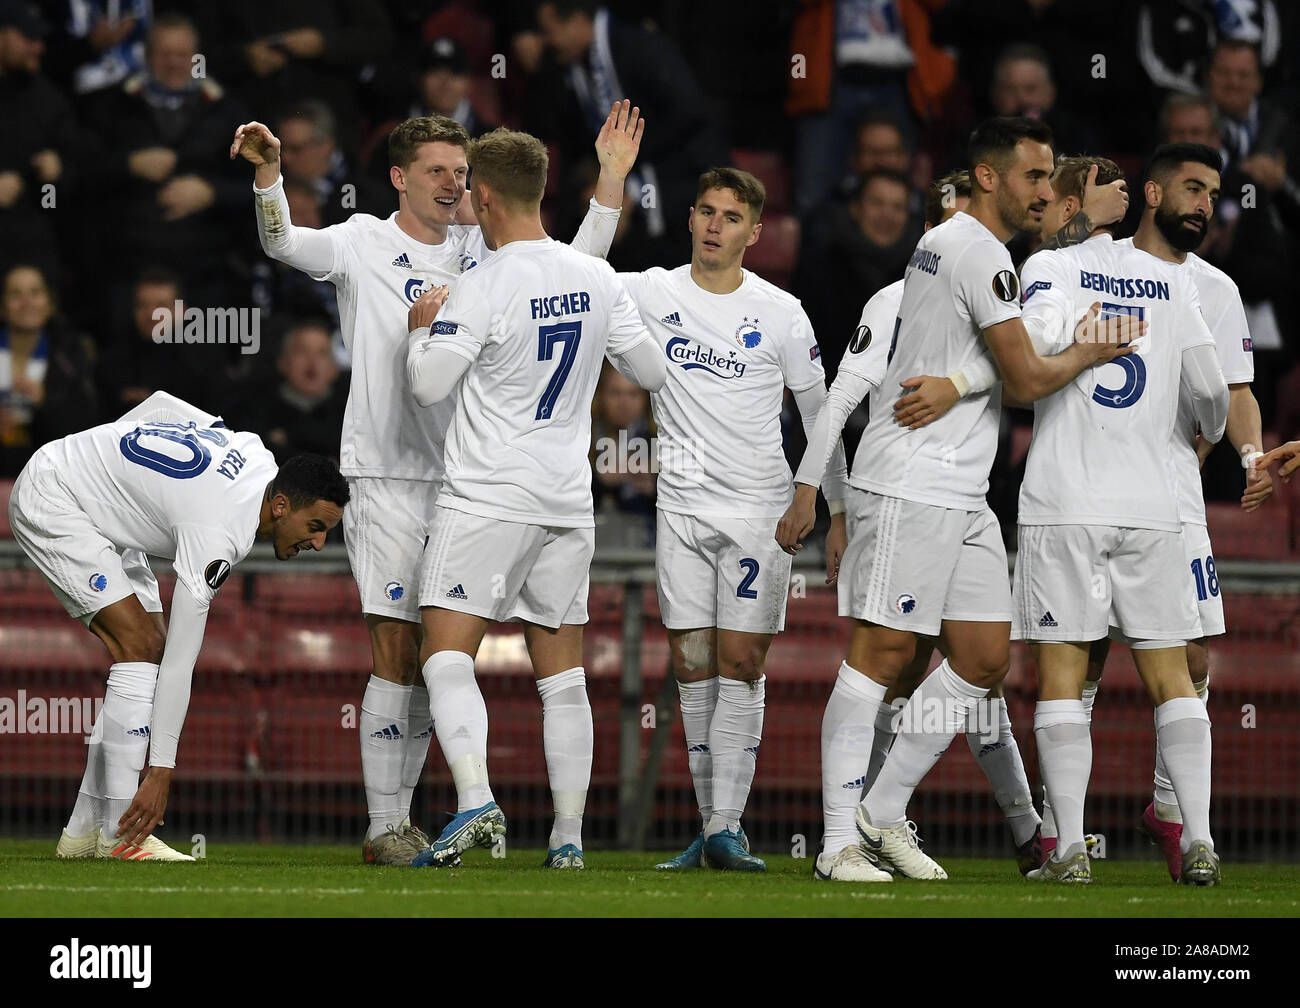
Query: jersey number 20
x=568 y=335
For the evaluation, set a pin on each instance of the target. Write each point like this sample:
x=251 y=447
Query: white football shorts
x=1205 y=579
x=910 y=566
x=507 y=570
x=728 y=573
x=86 y=572
x=1075 y=582
x=385 y=527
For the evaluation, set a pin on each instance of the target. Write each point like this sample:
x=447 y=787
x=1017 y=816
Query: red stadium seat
x=6 y=488
x=773 y=256
x=300 y=597
x=770 y=168
x=1258 y=535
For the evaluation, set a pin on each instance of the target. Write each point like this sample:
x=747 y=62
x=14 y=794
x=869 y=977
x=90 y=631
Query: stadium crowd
x=117 y=197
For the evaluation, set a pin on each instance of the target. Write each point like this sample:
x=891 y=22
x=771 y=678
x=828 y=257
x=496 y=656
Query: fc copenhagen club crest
x=747 y=335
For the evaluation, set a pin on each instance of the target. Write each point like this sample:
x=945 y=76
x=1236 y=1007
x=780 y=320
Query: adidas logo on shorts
x=458 y=593
x=391 y=732
x=855 y=785
x=403 y=260
x=1047 y=620
x=674 y=319
x=139 y=732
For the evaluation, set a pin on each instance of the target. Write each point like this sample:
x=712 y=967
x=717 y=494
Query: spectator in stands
x=133 y=366
x=280 y=54
x=1175 y=40
x=38 y=144
x=865 y=246
x=45 y=387
x=301 y=408
x=162 y=189
x=310 y=155
x=623 y=480
x=594 y=60
x=865 y=44
x=1022 y=86
x=98 y=43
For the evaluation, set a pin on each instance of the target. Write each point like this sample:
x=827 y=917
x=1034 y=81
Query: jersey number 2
x=568 y=334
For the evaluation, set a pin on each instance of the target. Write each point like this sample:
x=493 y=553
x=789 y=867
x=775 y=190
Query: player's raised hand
x=257 y=143
x=1104 y=204
x=1259 y=486
x=620 y=138
x=1288 y=454
x=1108 y=338
x=798 y=519
x=932 y=398
x=837 y=541
x=426 y=308
x=147 y=807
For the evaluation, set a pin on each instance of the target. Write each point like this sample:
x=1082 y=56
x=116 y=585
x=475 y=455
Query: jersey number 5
x=568 y=334
x=1135 y=368
x=135 y=448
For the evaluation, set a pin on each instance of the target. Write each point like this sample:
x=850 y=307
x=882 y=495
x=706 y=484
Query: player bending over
x=511 y=536
x=172 y=481
x=392 y=448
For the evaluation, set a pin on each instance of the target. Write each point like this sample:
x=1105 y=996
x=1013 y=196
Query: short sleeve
x=1192 y=328
x=867 y=354
x=464 y=324
x=204 y=559
x=986 y=285
x=799 y=355
x=1226 y=317
x=1046 y=302
x=626 y=329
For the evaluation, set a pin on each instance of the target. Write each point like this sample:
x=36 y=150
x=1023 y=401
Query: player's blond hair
x=1071 y=175
x=405 y=140
x=747 y=189
x=513 y=165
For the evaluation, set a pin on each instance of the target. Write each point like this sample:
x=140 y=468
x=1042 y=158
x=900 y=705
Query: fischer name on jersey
x=1100 y=451
x=959 y=282
x=730 y=359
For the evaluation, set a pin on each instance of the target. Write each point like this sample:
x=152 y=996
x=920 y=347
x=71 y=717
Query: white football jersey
x=1226 y=317
x=379 y=271
x=535 y=321
x=185 y=491
x=730 y=359
x=1100 y=451
x=959 y=282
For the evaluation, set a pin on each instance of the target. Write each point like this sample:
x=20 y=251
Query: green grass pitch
x=247 y=880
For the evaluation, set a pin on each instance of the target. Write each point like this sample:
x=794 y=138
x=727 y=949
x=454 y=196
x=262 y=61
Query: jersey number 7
x=568 y=334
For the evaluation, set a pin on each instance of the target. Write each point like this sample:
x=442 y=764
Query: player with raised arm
x=167 y=480
x=1098 y=550
x=392 y=449
x=511 y=536
x=925 y=553
x=733 y=343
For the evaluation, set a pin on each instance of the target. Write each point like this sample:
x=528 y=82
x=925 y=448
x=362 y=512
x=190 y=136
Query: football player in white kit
x=925 y=553
x=1174 y=223
x=170 y=480
x=1100 y=551
x=733 y=343
x=512 y=533
x=392 y=449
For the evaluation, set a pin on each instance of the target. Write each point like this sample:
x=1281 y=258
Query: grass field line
x=906 y=892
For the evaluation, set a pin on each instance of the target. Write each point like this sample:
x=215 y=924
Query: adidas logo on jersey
x=855 y=785
x=404 y=261
x=1047 y=620
x=391 y=732
x=458 y=593
x=674 y=319
x=139 y=732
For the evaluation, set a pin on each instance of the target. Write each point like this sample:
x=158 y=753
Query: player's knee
x=1198 y=662
x=986 y=671
x=746 y=666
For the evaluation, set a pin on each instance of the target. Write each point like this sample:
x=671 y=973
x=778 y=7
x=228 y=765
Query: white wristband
x=836 y=507
x=1248 y=458
x=958 y=378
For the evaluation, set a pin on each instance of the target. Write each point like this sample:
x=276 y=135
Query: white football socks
x=568 y=737
x=882 y=740
x=698 y=701
x=383 y=729
x=937 y=711
x=1089 y=697
x=460 y=719
x=848 y=728
x=1183 y=737
x=1166 y=801
x=126 y=720
x=988 y=733
x=734 y=738
x=419 y=733
x=1065 y=756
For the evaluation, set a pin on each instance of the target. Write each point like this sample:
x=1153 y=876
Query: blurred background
x=117 y=197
